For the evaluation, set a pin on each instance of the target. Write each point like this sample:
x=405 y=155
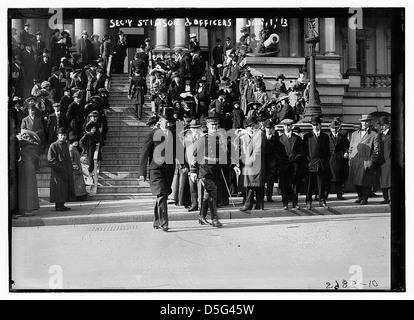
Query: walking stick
x=228 y=189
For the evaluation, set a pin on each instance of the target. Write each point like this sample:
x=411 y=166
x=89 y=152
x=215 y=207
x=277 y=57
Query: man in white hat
x=363 y=155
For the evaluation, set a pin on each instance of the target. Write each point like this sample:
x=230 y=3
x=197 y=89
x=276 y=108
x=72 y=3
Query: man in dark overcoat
x=270 y=158
x=75 y=115
x=61 y=180
x=55 y=121
x=252 y=169
x=289 y=157
x=138 y=64
x=158 y=150
x=364 y=152
x=137 y=91
x=385 y=159
x=85 y=48
x=317 y=151
x=339 y=145
x=208 y=154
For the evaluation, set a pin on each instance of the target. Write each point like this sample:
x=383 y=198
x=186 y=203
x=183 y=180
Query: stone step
x=117 y=168
x=127 y=139
x=43 y=176
x=110 y=150
x=122 y=156
x=43 y=192
x=120 y=129
x=121 y=196
x=118 y=183
x=121 y=175
x=121 y=162
x=43 y=169
x=118 y=189
x=113 y=123
x=114 y=134
x=43 y=183
x=121 y=144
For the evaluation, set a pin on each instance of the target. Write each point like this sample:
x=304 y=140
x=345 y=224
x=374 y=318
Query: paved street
x=296 y=252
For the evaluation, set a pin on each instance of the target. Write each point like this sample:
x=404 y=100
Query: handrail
x=95 y=173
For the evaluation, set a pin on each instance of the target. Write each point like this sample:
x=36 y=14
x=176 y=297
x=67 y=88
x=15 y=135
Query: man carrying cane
x=208 y=152
x=159 y=149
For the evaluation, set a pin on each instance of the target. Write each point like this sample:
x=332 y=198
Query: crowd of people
x=58 y=93
x=196 y=106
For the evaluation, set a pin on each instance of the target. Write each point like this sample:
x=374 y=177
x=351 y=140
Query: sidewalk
x=141 y=210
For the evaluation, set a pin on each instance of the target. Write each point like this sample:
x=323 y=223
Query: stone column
x=100 y=27
x=240 y=23
x=80 y=25
x=317 y=29
x=294 y=37
x=161 y=37
x=330 y=39
x=353 y=73
x=179 y=34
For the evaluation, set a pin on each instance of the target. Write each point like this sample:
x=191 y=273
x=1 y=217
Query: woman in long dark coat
x=61 y=180
x=27 y=185
x=79 y=181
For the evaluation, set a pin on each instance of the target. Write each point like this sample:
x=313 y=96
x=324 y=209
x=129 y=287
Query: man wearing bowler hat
x=62 y=187
x=317 y=151
x=270 y=158
x=339 y=144
x=209 y=153
x=364 y=152
x=159 y=150
x=289 y=159
x=385 y=159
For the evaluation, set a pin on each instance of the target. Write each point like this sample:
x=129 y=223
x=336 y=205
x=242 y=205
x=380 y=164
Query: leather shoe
x=323 y=205
x=203 y=221
x=61 y=209
x=245 y=209
x=363 y=202
x=341 y=198
x=165 y=228
x=193 y=209
x=285 y=208
x=67 y=208
x=358 y=200
x=308 y=206
x=217 y=223
x=385 y=202
x=297 y=207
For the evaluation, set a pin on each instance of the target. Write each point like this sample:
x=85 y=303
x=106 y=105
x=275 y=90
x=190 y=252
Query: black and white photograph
x=215 y=149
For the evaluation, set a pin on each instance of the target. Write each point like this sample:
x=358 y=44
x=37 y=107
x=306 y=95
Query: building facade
x=353 y=65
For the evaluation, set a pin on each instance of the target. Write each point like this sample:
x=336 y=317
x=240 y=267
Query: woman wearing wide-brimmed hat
x=27 y=182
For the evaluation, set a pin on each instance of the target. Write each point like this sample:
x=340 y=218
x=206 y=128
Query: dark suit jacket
x=53 y=126
x=317 y=151
x=44 y=71
x=288 y=151
x=339 y=165
x=55 y=90
x=139 y=65
x=85 y=49
x=159 y=157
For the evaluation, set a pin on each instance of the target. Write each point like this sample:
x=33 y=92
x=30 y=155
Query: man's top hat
x=316 y=120
x=167 y=114
x=384 y=120
x=366 y=117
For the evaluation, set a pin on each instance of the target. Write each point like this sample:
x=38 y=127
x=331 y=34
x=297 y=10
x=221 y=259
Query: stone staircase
x=118 y=171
